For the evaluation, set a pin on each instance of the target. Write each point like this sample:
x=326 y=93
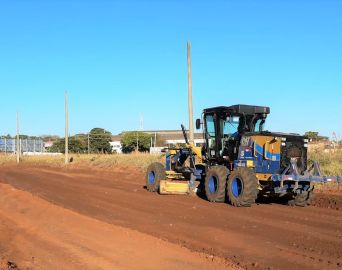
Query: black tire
x=155 y=173
x=215 y=183
x=242 y=187
x=302 y=199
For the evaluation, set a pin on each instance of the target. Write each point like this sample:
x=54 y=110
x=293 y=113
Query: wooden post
x=191 y=123
x=18 y=142
x=66 y=129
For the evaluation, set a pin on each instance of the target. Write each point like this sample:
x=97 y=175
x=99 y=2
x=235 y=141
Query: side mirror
x=198 y=123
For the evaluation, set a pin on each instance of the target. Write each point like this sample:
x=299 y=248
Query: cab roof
x=239 y=109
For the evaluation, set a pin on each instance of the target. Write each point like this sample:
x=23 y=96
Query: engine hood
x=294 y=136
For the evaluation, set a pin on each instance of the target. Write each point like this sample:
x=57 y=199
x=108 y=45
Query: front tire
x=155 y=173
x=242 y=187
x=215 y=183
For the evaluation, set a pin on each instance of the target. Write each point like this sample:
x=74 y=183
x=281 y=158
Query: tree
x=75 y=146
x=58 y=146
x=27 y=137
x=129 y=141
x=312 y=135
x=47 y=138
x=99 y=140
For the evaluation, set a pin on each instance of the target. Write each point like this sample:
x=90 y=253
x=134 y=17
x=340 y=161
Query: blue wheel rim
x=212 y=184
x=237 y=186
x=151 y=178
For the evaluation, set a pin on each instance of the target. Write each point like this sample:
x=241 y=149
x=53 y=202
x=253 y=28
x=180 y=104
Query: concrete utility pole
x=88 y=144
x=155 y=139
x=191 y=122
x=66 y=129
x=18 y=142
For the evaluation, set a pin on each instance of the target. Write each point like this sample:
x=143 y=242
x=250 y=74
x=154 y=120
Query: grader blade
x=174 y=187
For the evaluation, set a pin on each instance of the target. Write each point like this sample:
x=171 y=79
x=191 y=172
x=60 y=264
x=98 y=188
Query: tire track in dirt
x=36 y=234
x=263 y=236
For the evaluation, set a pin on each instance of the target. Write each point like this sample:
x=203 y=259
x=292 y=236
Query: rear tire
x=242 y=187
x=215 y=183
x=155 y=173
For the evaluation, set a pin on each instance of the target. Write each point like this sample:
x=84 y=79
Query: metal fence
x=26 y=145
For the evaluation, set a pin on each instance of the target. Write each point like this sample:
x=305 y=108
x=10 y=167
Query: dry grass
x=138 y=160
x=331 y=165
x=331 y=162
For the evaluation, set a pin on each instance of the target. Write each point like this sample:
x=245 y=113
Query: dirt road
x=265 y=236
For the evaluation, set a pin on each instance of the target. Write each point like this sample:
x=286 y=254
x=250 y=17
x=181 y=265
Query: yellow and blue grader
x=239 y=162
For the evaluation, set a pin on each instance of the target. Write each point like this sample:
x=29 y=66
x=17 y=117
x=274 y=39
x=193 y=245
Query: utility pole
x=191 y=122
x=18 y=142
x=88 y=145
x=66 y=129
x=155 y=139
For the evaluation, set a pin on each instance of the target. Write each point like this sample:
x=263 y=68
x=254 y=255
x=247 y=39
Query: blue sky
x=119 y=59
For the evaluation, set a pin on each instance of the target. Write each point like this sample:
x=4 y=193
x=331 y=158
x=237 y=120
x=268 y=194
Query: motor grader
x=239 y=162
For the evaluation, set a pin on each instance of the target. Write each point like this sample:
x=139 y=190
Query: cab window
x=210 y=133
x=231 y=125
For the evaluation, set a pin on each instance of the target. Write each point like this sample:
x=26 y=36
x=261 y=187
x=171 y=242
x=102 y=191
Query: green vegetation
x=314 y=136
x=130 y=140
x=99 y=142
x=22 y=137
x=76 y=145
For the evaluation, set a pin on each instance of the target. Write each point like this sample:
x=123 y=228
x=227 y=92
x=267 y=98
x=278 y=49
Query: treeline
x=22 y=137
x=314 y=136
x=97 y=141
x=139 y=140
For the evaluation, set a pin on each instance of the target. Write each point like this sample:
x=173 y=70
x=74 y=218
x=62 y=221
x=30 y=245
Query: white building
x=116 y=147
x=168 y=137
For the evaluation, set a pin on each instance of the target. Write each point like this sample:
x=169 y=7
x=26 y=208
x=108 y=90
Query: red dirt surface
x=72 y=220
x=36 y=234
x=331 y=201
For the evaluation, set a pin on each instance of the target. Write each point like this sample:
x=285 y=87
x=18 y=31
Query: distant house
x=174 y=137
x=48 y=144
x=116 y=144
